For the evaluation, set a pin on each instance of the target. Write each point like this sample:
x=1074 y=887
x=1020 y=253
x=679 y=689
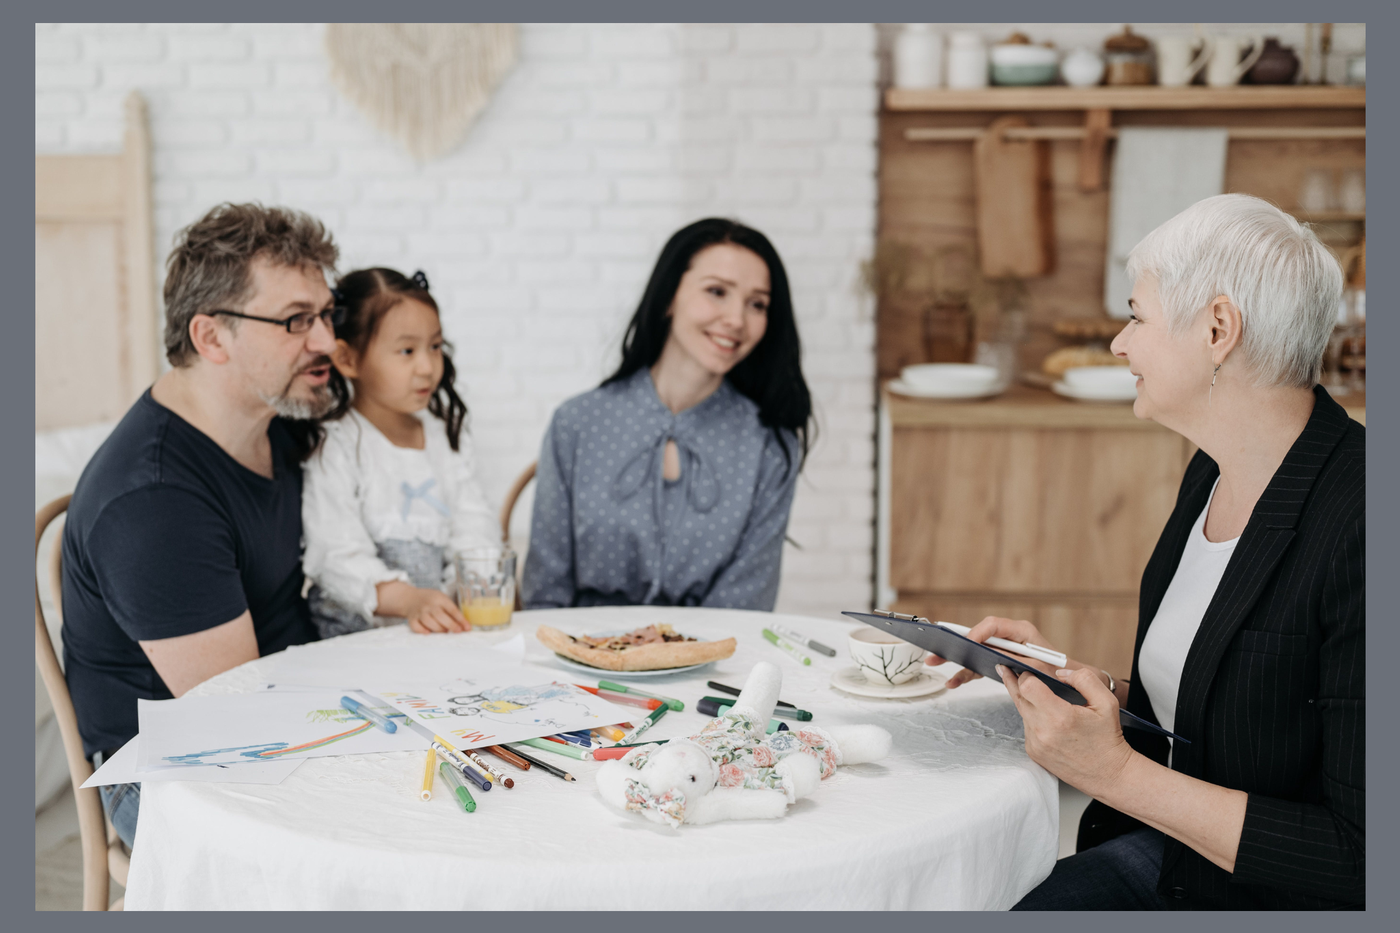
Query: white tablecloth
x=957 y=817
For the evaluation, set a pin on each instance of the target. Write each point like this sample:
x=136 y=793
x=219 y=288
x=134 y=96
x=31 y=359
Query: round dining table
x=955 y=817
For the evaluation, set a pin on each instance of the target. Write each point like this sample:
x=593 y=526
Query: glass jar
x=486 y=586
x=1127 y=59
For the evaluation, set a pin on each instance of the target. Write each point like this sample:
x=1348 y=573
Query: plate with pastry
x=652 y=650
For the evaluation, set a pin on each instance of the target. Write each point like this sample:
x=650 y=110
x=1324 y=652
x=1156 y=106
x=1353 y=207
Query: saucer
x=1095 y=394
x=900 y=387
x=851 y=680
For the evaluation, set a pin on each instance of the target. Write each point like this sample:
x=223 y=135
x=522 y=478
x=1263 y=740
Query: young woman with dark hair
x=670 y=484
x=391 y=494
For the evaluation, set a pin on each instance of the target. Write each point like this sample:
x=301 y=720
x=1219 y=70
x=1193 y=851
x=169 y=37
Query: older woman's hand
x=1010 y=629
x=1081 y=745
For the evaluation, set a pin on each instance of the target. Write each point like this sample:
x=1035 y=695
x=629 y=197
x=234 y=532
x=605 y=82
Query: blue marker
x=364 y=712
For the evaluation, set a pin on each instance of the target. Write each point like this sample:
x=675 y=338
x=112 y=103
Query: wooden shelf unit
x=1240 y=97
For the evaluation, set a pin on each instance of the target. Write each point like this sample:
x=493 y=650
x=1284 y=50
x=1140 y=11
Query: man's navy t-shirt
x=168 y=535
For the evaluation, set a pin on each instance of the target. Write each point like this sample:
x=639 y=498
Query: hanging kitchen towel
x=1158 y=172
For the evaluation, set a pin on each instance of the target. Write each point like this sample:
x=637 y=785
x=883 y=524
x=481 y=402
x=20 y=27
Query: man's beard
x=322 y=398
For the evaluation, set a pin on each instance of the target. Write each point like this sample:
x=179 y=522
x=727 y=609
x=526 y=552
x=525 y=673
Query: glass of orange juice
x=486 y=585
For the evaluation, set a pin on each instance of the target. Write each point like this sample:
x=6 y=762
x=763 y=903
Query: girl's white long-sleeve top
x=360 y=490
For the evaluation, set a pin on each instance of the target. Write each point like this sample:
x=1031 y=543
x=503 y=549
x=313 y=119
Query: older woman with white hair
x=1251 y=624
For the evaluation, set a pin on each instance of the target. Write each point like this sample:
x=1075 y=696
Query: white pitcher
x=1223 y=70
x=1176 y=66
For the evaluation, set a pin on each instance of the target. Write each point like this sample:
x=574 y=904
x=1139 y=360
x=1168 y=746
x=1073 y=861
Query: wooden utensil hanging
x=1015 y=229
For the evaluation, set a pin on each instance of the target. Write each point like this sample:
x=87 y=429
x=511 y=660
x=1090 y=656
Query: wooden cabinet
x=1027 y=506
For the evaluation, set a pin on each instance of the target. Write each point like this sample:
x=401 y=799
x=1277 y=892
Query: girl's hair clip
x=420 y=279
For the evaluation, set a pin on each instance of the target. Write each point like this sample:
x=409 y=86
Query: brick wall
x=538 y=232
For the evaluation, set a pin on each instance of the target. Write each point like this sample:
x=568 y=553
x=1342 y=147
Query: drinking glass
x=486 y=585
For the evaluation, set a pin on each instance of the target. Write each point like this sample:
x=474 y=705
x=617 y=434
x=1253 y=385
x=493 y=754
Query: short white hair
x=1286 y=284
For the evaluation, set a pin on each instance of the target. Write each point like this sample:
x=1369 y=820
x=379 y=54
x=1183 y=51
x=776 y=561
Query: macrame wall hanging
x=423 y=84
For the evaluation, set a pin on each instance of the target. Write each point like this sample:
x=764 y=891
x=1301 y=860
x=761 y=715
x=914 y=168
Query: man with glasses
x=182 y=548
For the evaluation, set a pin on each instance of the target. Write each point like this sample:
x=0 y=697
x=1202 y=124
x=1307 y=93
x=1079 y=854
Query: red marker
x=621 y=698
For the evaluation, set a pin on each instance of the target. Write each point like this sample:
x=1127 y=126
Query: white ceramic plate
x=1094 y=395
x=900 y=387
x=851 y=680
x=949 y=375
x=1100 y=378
x=609 y=675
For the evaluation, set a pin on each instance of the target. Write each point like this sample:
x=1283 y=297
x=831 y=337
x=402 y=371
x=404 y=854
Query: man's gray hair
x=210 y=267
x=1286 y=284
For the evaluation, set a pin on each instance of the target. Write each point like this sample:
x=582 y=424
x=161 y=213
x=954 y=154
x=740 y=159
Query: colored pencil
x=544 y=765
x=612 y=696
x=491 y=772
x=734 y=691
x=558 y=748
x=676 y=705
x=612 y=733
x=505 y=754
x=427 y=792
x=459 y=788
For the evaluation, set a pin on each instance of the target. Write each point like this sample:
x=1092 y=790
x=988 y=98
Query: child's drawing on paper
x=475 y=712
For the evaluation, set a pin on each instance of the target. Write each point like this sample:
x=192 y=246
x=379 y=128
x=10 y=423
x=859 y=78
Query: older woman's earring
x=1212 y=382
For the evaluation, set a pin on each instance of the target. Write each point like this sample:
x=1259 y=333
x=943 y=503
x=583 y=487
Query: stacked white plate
x=1098 y=384
x=948 y=380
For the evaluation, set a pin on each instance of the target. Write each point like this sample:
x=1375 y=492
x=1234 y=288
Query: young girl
x=392 y=493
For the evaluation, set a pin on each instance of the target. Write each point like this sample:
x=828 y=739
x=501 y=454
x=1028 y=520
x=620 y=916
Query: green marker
x=559 y=748
x=787 y=646
x=675 y=705
x=801 y=715
x=459 y=787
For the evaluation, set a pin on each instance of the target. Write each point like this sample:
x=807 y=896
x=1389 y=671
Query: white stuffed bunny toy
x=731 y=770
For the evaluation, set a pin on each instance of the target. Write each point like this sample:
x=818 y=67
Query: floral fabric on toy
x=746 y=757
x=670 y=806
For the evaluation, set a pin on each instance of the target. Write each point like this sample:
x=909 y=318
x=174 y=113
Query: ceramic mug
x=1225 y=68
x=1176 y=66
x=885 y=661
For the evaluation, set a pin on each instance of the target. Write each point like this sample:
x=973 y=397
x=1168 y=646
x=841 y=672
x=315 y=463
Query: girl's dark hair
x=771 y=375
x=367 y=295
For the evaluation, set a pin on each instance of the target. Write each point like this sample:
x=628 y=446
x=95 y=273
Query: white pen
x=801 y=639
x=1015 y=647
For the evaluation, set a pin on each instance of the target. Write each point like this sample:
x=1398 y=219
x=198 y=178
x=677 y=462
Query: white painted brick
x=143 y=76
x=215 y=48
x=583 y=190
x=296 y=161
x=643 y=160
x=748 y=70
x=188 y=134
x=813 y=129
x=445 y=244
x=530 y=244
x=52 y=77
x=766 y=100
x=289 y=43
x=857 y=126
x=229 y=74
x=610 y=130
x=705 y=160
x=765 y=190
x=171 y=28
x=848 y=37
x=49 y=137
x=57 y=103
x=703 y=99
x=853 y=156
x=547 y=102
x=778 y=37
x=634 y=42
x=510 y=190
x=532 y=217
x=52 y=49
x=201 y=104
x=264 y=131
x=765 y=160
x=552 y=43
x=830 y=70
x=552 y=75
x=217 y=163
x=856 y=100
x=379 y=161
x=649 y=73
x=707 y=38
x=533 y=130
x=630 y=100
x=397 y=190
x=550 y=161
x=346 y=134
x=238 y=189
x=300 y=74
x=120 y=47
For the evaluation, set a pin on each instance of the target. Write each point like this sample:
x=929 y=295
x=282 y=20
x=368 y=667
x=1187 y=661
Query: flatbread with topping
x=652 y=648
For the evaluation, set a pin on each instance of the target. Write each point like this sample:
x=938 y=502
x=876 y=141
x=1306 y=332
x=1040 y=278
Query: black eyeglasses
x=297 y=323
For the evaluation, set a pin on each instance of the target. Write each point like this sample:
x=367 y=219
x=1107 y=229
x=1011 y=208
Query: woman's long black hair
x=771 y=375
x=367 y=295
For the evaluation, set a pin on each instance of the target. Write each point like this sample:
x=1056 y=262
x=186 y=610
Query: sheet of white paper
x=258 y=727
x=496 y=704
x=421 y=659
x=121 y=769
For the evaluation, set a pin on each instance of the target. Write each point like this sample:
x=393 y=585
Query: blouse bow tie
x=702 y=485
x=421 y=492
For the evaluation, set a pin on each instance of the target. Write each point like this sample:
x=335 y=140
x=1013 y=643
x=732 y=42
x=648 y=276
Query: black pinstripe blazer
x=1273 y=693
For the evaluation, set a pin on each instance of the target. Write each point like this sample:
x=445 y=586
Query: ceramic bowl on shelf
x=963 y=376
x=1022 y=65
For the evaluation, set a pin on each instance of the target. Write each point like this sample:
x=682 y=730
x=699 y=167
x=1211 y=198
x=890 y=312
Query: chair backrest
x=516 y=489
x=91 y=822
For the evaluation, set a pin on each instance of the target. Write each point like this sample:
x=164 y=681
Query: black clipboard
x=959 y=649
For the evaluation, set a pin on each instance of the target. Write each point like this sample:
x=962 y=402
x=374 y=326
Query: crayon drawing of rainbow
x=270 y=750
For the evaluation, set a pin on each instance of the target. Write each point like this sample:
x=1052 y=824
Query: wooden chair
x=104 y=855
x=516 y=489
